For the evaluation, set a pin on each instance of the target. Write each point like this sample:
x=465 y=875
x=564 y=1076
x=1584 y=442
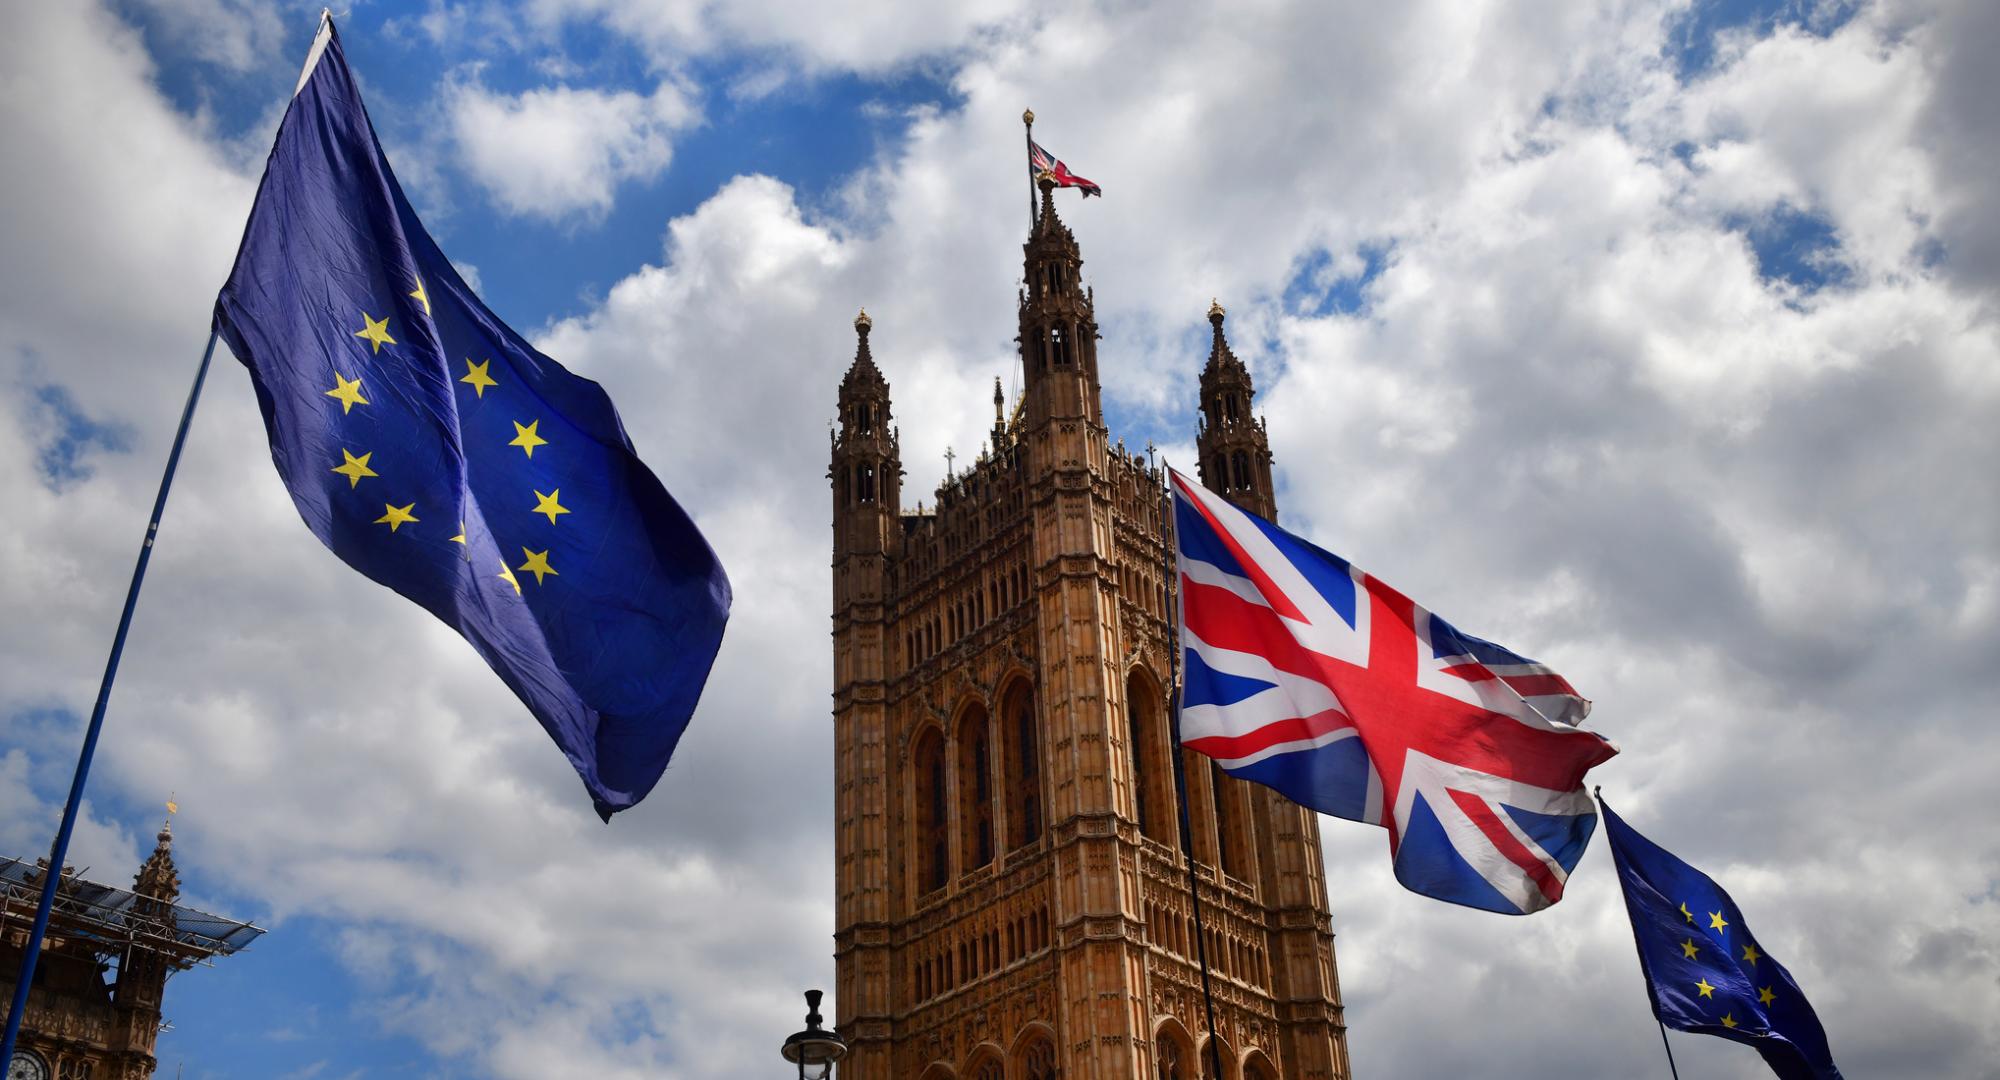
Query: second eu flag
x=434 y=450
x=1704 y=969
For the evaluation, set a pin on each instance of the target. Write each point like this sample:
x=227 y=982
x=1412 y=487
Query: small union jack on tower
x=1310 y=677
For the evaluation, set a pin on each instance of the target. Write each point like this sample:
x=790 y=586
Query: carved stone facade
x=82 y=1021
x=1012 y=894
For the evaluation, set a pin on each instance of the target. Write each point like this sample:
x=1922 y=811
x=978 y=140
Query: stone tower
x=1012 y=892
x=94 y=1010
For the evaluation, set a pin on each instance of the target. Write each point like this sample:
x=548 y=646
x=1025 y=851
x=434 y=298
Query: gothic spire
x=158 y=879
x=1221 y=359
x=862 y=373
x=999 y=416
x=1235 y=452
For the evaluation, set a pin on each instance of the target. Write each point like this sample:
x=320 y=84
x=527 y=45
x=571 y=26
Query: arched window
x=866 y=477
x=1152 y=767
x=1258 y=1069
x=975 y=788
x=864 y=418
x=1038 y=1061
x=1229 y=838
x=1024 y=766
x=1220 y=471
x=1229 y=406
x=933 y=849
x=1242 y=463
x=1058 y=346
x=991 y=1068
x=1168 y=1057
x=1208 y=1058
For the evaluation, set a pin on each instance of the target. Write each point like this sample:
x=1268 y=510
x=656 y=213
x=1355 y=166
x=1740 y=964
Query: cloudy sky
x=1660 y=340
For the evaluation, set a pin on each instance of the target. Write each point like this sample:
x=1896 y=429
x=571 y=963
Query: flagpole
x=1180 y=764
x=1670 y=1050
x=31 y=952
x=1028 y=119
x=1597 y=793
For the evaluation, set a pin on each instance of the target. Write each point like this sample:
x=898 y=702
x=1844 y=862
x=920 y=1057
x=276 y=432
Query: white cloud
x=562 y=152
x=234 y=34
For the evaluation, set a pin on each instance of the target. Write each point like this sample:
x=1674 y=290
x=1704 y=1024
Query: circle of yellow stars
x=478 y=375
x=1689 y=950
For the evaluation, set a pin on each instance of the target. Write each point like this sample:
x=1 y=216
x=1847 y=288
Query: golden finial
x=862 y=322
x=1214 y=309
x=172 y=806
x=1028 y=117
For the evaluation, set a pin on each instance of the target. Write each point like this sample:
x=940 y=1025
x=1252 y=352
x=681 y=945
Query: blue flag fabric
x=1705 y=970
x=435 y=451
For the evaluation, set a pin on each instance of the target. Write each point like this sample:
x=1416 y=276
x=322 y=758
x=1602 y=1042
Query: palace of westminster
x=1013 y=899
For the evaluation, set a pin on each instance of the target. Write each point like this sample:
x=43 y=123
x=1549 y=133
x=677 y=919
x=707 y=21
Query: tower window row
x=967 y=609
x=1218 y=803
x=1232 y=472
x=954 y=959
x=984 y=789
x=1228 y=954
x=857 y=485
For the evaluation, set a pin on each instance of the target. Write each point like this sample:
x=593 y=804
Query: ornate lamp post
x=815 y=1049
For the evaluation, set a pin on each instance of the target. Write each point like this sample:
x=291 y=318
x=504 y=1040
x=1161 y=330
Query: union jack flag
x=1041 y=161
x=1310 y=677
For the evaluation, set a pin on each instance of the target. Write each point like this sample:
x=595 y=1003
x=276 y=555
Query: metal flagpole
x=32 y=951
x=1597 y=792
x=1028 y=119
x=1670 y=1049
x=1180 y=764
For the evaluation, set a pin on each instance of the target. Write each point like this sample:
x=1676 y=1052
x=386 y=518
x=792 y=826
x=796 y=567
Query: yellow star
x=460 y=538
x=396 y=516
x=1751 y=955
x=525 y=437
x=507 y=576
x=537 y=564
x=1765 y=996
x=421 y=298
x=376 y=331
x=1729 y=1021
x=1684 y=911
x=1688 y=948
x=477 y=376
x=348 y=393
x=548 y=505
x=354 y=468
x=1716 y=921
x=1707 y=991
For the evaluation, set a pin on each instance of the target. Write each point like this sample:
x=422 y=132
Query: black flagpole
x=1597 y=792
x=32 y=950
x=1670 y=1049
x=1028 y=119
x=1180 y=763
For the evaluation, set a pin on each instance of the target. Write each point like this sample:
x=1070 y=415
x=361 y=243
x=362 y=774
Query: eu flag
x=438 y=453
x=1704 y=968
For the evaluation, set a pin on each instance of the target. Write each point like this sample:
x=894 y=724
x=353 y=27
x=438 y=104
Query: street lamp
x=816 y=1046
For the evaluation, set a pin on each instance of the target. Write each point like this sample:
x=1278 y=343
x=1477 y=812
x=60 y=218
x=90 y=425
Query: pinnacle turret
x=1221 y=359
x=862 y=372
x=1235 y=452
x=158 y=879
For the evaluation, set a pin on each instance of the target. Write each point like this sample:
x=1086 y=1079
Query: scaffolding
x=114 y=921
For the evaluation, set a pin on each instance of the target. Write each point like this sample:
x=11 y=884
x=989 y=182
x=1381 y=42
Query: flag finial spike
x=1028 y=117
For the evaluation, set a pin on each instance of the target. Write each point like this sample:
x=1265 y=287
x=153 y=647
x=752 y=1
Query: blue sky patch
x=65 y=439
x=1691 y=37
x=1320 y=286
x=1798 y=247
